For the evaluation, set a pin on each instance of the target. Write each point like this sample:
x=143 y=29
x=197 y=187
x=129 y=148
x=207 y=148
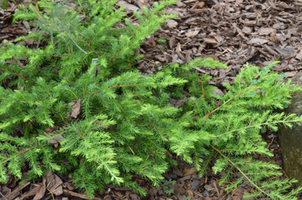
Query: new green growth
x=126 y=124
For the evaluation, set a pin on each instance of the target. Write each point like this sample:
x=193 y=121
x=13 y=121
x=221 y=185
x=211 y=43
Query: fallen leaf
x=151 y=41
x=70 y=186
x=127 y=5
x=190 y=171
x=54 y=183
x=178 y=103
x=76 y=109
x=161 y=58
x=189 y=194
x=208 y=187
x=171 y=23
x=55 y=141
x=218 y=92
x=192 y=33
x=178 y=189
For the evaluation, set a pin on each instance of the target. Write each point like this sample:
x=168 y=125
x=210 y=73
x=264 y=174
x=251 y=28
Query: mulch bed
x=231 y=31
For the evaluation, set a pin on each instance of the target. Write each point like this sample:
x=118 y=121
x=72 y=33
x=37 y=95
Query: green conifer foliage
x=79 y=106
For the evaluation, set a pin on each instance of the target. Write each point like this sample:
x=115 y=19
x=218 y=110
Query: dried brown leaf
x=54 y=183
x=190 y=171
x=151 y=41
x=218 y=92
x=57 y=188
x=178 y=189
x=76 y=109
x=56 y=140
x=178 y=103
x=128 y=6
x=209 y=187
x=70 y=186
x=171 y=23
x=161 y=58
x=192 y=33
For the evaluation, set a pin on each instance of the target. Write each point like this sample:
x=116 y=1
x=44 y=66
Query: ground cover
x=233 y=32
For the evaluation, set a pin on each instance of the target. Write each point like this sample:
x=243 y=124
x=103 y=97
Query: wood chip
x=299 y=55
x=266 y=31
x=16 y=192
x=287 y=51
x=258 y=41
x=79 y=195
x=210 y=40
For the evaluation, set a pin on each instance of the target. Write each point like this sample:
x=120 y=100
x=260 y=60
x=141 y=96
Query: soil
x=231 y=31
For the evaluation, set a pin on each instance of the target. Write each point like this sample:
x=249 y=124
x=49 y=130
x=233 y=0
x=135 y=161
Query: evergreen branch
x=210 y=113
x=36 y=10
x=238 y=168
x=20 y=153
x=120 y=86
x=97 y=54
x=261 y=125
x=74 y=42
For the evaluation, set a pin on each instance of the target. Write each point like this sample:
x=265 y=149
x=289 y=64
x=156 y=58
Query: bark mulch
x=231 y=31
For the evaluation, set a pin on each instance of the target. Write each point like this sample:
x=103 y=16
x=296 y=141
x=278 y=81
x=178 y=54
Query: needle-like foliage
x=79 y=106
